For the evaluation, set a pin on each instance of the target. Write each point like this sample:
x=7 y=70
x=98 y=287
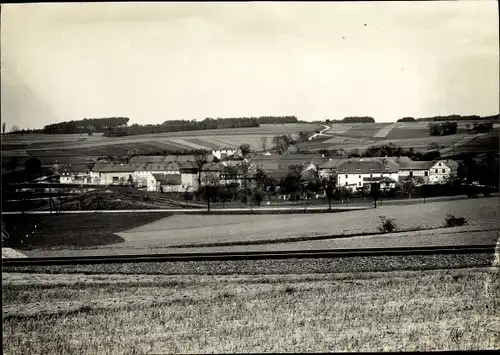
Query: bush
x=387 y=225
x=452 y=221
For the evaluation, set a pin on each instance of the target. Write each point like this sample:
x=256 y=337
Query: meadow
x=196 y=233
x=127 y=314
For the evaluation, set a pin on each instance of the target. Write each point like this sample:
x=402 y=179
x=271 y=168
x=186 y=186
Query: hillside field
x=64 y=147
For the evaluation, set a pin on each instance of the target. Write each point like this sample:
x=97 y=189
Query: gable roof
x=367 y=166
x=332 y=163
x=452 y=164
x=168 y=179
x=144 y=159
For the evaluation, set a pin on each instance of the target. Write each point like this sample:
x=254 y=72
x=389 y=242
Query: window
x=443 y=171
x=359 y=176
x=426 y=173
x=411 y=173
x=115 y=179
x=359 y=183
x=371 y=175
x=439 y=164
x=436 y=171
x=346 y=176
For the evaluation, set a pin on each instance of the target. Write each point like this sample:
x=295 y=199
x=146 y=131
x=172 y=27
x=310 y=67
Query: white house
x=76 y=175
x=354 y=174
x=441 y=170
x=224 y=152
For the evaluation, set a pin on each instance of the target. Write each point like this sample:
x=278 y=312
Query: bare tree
x=200 y=160
x=263 y=143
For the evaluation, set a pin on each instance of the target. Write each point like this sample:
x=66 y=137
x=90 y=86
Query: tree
x=263 y=143
x=200 y=160
x=132 y=153
x=354 y=153
x=433 y=146
x=33 y=166
x=258 y=197
x=130 y=181
x=3 y=127
x=330 y=185
x=375 y=192
x=224 y=195
x=187 y=196
x=12 y=164
x=245 y=149
x=408 y=186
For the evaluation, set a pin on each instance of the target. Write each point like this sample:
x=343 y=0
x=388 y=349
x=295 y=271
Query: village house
x=168 y=182
x=409 y=168
x=224 y=152
x=79 y=174
x=115 y=173
x=330 y=168
x=441 y=170
x=211 y=173
x=237 y=173
x=357 y=174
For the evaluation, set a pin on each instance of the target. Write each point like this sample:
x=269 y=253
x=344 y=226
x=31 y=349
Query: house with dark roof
x=211 y=172
x=409 y=168
x=330 y=168
x=353 y=172
x=168 y=182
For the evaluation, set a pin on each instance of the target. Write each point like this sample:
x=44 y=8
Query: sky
x=153 y=62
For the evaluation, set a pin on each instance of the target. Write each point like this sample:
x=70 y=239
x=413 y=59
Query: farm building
x=352 y=173
x=168 y=182
x=385 y=183
x=211 y=173
x=115 y=174
x=441 y=170
x=329 y=169
x=237 y=174
x=409 y=168
x=224 y=152
x=76 y=175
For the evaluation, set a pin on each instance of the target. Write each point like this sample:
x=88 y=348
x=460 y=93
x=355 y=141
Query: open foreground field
x=127 y=314
x=180 y=233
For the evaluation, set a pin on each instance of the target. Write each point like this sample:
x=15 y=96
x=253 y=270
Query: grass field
x=126 y=314
x=186 y=229
x=155 y=232
x=66 y=231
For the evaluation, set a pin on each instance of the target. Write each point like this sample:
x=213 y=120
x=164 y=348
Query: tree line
x=443 y=129
x=353 y=119
x=100 y=125
x=449 y=118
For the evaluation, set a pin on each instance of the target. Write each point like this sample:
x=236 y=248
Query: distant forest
x=117 y=126
x=354 y=119
x=449 y=118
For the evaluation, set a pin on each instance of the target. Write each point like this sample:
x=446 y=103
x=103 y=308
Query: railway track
x=224 y=256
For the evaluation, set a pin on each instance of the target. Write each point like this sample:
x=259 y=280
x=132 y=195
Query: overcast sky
x=160 y=61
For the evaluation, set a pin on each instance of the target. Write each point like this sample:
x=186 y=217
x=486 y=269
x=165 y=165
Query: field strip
x=383 y=132
x=189 y=144
x=11 y=253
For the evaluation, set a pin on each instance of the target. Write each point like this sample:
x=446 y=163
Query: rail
x=255 y=255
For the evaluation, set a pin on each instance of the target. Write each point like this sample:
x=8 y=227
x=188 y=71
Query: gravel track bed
x=283 y=266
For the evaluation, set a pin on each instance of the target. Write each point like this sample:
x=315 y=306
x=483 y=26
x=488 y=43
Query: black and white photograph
x=250 y=177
